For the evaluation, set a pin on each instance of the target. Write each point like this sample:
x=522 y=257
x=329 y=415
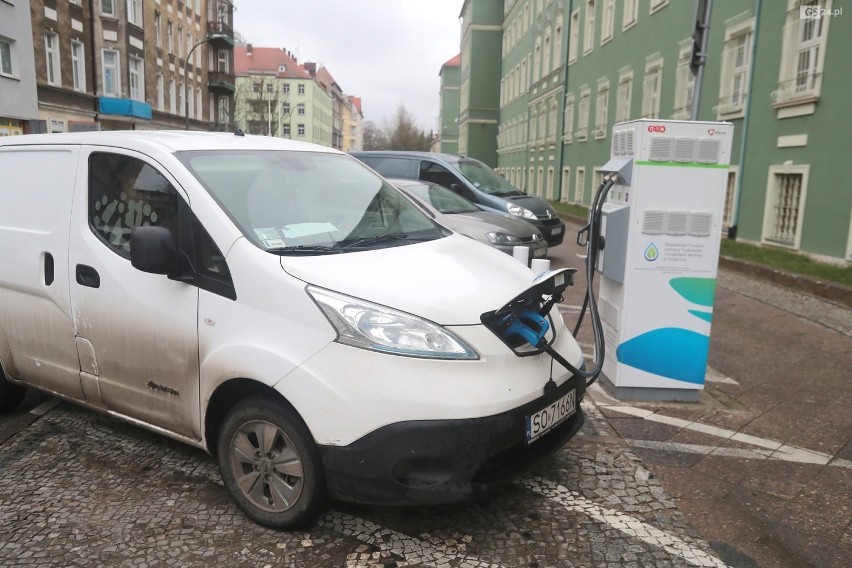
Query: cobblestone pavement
x=82 y=489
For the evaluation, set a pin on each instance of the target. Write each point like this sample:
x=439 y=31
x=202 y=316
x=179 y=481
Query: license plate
x=539 y=253
x=556 y=231
x=550 y=416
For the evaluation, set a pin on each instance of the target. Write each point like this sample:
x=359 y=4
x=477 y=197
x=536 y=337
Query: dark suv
x=472 y=180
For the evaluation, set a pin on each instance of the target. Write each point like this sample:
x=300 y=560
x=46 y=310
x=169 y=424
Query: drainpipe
x=732 y=231
x=93 y=56
x=564 y=100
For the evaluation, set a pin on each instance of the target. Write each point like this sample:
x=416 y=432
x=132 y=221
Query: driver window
x=436 y=173
x=125 y=193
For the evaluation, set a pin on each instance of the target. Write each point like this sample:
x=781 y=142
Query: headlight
x=370 y=326
x=536 y=237
x=515 y=209
x=502 y=238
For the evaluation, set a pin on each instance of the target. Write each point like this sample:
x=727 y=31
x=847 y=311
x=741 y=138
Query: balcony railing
x=220 y=32
x=221 y=82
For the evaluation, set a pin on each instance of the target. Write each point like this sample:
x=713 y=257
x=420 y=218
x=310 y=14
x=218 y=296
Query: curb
x=837 y=293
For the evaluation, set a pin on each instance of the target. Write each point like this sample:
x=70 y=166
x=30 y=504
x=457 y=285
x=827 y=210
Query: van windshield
x=308 y=203
x=484 y=178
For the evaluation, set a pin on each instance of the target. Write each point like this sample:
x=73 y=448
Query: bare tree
x=374 y=137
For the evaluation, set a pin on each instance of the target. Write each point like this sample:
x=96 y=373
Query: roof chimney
x=248 y=49
x=311 y=68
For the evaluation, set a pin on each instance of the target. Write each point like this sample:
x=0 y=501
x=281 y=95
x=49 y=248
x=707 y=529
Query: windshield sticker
x=267 y=234
x=306 y=229
x=274 y=243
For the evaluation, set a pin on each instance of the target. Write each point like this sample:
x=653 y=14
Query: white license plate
x=550 y=416
x=556 y=231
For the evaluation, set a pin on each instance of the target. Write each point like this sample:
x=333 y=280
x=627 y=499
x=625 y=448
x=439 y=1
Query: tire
x=10 y=395
x=270 y=464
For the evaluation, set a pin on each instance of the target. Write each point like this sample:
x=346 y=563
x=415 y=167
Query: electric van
x=281 y=306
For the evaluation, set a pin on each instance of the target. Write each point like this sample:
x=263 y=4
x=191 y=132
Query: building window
x=300 y=109
x=537 y=59
x=222 y=61
x=651 y=87
x=6 y=67
x=607 y=20
x=108 y=8
x=137 y=78
x=190 y=99
x=730 y=198
x=583 y=114
x=189 y=43
x=223 y=110
x=134 y=12
x=631 y=14
x=568 y=127
x=157 y=30
x=78 y=66
x=684 y=82
x=51 y=53
x=199 y=110
x=170 y=36
x=181 y=95
x=551 y=122
x=736 y=56
x=179 y=41
x=285 y=109
x=545 y=57
x=300 y=129
x=574 y=40
x=785 y=205
x=601 y=110
x=580 y=185
x=161 y=96
x=286 y=130
x=565 y=191
x=624 y=96
x=557 y=42
x=803 y=53
x=589 y=28
x=172 y=97
x=286 y=88
x=657 y=5
x=301 y=89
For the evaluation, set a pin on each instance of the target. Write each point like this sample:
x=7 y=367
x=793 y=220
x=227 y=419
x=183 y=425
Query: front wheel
x=10 y=395
x=270 y=464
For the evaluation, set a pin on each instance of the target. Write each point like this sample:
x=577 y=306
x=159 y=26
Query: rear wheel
x=270 y=464
x=10 y=395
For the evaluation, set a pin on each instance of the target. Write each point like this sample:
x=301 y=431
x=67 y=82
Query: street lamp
x=211 y=37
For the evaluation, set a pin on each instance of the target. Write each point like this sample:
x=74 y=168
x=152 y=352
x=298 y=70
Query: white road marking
x=414 y=550
x=627 y=524
x=779 y=450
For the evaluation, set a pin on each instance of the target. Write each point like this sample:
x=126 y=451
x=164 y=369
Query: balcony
x=220 y=34
x=221 y=82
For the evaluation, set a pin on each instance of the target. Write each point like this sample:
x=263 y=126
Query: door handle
x=88 y=276
x=48 y=269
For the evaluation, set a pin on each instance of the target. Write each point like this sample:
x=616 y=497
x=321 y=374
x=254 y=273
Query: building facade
x=133 y=64
x=276 y=96
x=353 y=126
x=448 y=121
x=18 y=103
x=570 y=69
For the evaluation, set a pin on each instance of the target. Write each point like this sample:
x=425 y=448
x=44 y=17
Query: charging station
x=661 y=223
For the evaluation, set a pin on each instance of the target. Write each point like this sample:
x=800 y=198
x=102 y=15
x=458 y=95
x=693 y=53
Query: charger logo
x=651 y=253
x=657 y=128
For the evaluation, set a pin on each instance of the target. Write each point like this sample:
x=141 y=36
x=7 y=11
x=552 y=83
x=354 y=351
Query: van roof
x=410 y=154
x=167 y=140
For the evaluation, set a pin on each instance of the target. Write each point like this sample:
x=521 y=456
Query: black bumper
x=444 y=461
x=553 y=230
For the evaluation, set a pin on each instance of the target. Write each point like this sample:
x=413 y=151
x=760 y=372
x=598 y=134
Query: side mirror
x=152 y=249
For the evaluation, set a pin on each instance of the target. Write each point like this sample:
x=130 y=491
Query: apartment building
x=448 y=120
x=18 y=107
x=570 y=69
x=276 y=96
x=353 y=126
x=133 y=64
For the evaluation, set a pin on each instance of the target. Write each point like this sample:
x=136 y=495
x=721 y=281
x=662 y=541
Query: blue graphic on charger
x=670 y=352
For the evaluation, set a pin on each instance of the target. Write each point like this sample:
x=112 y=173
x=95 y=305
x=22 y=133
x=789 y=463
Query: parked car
x=498 y=230
x=471 y=179
x=281 y=306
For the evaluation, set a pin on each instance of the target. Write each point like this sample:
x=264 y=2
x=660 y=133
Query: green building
x=448 y=137
x=570 y=69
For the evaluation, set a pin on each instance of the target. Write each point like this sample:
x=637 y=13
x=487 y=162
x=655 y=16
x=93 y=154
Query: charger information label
x=550 y=416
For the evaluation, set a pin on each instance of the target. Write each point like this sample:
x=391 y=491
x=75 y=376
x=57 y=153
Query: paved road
x=755 y=474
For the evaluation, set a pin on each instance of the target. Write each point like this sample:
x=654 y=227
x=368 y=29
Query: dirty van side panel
x=142 y=327
x=35 y=309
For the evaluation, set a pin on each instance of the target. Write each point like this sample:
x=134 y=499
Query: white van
x=281 y=306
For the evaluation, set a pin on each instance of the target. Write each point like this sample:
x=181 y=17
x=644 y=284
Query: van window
x=308 y=202
x=484 y=178
x=125 y=193
x=390 y=167
x=436 y=173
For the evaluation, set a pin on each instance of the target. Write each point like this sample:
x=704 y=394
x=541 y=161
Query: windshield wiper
x=376 y=239
x=304 y=250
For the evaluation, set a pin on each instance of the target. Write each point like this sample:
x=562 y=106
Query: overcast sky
x=388 y=52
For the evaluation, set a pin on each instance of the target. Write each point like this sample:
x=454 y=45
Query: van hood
x=450 y=281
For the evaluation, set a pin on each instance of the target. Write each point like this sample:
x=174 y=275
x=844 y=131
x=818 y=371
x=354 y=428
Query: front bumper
x=445 y=461
x=552 y=229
